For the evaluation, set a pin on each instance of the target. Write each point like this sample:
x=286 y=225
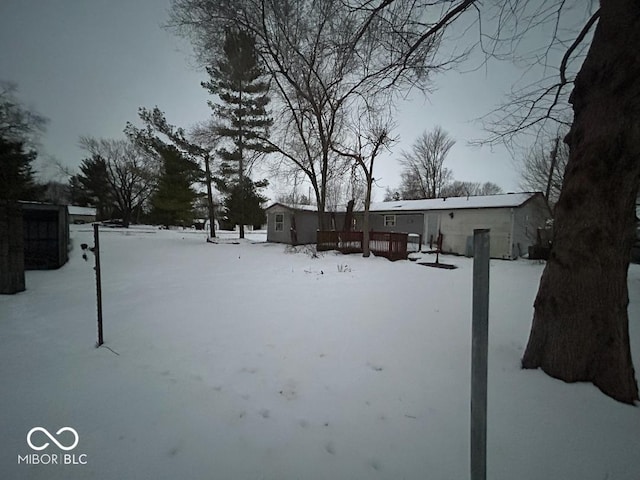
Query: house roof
x=505 y=200
x=304 y=208
x=75 y=210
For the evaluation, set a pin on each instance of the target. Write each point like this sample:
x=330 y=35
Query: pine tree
x=244 y=203
x=238 y=81
x=90 y=187
x=173 y=201
x=17 y=178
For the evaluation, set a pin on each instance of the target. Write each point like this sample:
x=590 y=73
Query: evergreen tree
x=173 y=201
x=17 y=178
x=238 y=81
x=244 y=203
x=196 y=146
x=90 y=187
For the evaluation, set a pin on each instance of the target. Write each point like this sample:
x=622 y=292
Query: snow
x=504 y=200
x=306 y=208
x=249 y=360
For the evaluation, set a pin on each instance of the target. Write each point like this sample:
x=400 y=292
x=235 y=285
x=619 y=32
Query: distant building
x=79 y=215
x=296 y=224
x=513 y=219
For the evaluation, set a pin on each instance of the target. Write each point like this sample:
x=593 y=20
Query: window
x=279 y=222
x=389 y=220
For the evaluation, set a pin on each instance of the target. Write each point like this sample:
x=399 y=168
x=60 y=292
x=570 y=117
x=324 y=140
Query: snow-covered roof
x=75 y=210
x=306 y=208
x=505 y=200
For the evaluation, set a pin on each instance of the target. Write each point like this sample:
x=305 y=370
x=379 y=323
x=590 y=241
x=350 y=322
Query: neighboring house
x=296 y=224
x=513 y=219
x=79 y=215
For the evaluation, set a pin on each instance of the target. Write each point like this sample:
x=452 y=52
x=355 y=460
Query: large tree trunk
x=580 y=326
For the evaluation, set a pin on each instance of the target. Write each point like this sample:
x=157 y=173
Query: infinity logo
x=46 y=432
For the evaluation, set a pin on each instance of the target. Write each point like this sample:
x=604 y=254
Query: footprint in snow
x=289 y=391
x=375 y=368
x=330 y=448
x=264 y=413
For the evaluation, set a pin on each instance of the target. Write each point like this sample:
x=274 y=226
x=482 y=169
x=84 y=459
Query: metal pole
x=479 y=347
x=96 y=251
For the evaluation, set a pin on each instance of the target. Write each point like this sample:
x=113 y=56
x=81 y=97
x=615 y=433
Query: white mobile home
x=81 y=214
x=513 y=219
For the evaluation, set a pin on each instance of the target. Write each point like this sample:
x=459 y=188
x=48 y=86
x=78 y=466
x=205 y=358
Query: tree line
x=424 y=174
x=153 y=172
x=335 y=70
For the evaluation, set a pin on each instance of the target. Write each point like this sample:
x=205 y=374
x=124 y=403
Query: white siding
x=457 y=230
x=528 y=219
x=279 y=236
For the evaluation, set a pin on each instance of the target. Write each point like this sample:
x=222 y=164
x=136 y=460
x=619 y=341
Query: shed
x=513 y=219
x=295 y=224
x=12 y=278
x=46 y=235
x=80 y=215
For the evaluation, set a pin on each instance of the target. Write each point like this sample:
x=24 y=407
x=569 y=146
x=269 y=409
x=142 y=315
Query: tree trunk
x=348 y=217
x=126 y=216
x=552 y=168
x=366 y=251
x=241 y=164
x=580 y=328
x=210 y=206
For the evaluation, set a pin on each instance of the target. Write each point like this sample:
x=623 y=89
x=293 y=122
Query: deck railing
x=392 y=245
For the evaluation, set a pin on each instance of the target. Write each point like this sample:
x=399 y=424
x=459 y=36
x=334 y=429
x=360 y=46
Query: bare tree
x=18 y=123
x=131 y=172
x=424 y=174
x=580 y=329
x=543 y=168
x=459 y=188
x=56 y=192
x=320 y=55
x=370 y=132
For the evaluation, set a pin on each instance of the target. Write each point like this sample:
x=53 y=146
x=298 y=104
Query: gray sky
x=89 y=64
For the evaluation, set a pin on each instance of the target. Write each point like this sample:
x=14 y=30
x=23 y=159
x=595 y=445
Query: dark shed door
x=41 y=240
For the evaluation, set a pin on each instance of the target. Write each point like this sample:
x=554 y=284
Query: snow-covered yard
x=247 y=361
